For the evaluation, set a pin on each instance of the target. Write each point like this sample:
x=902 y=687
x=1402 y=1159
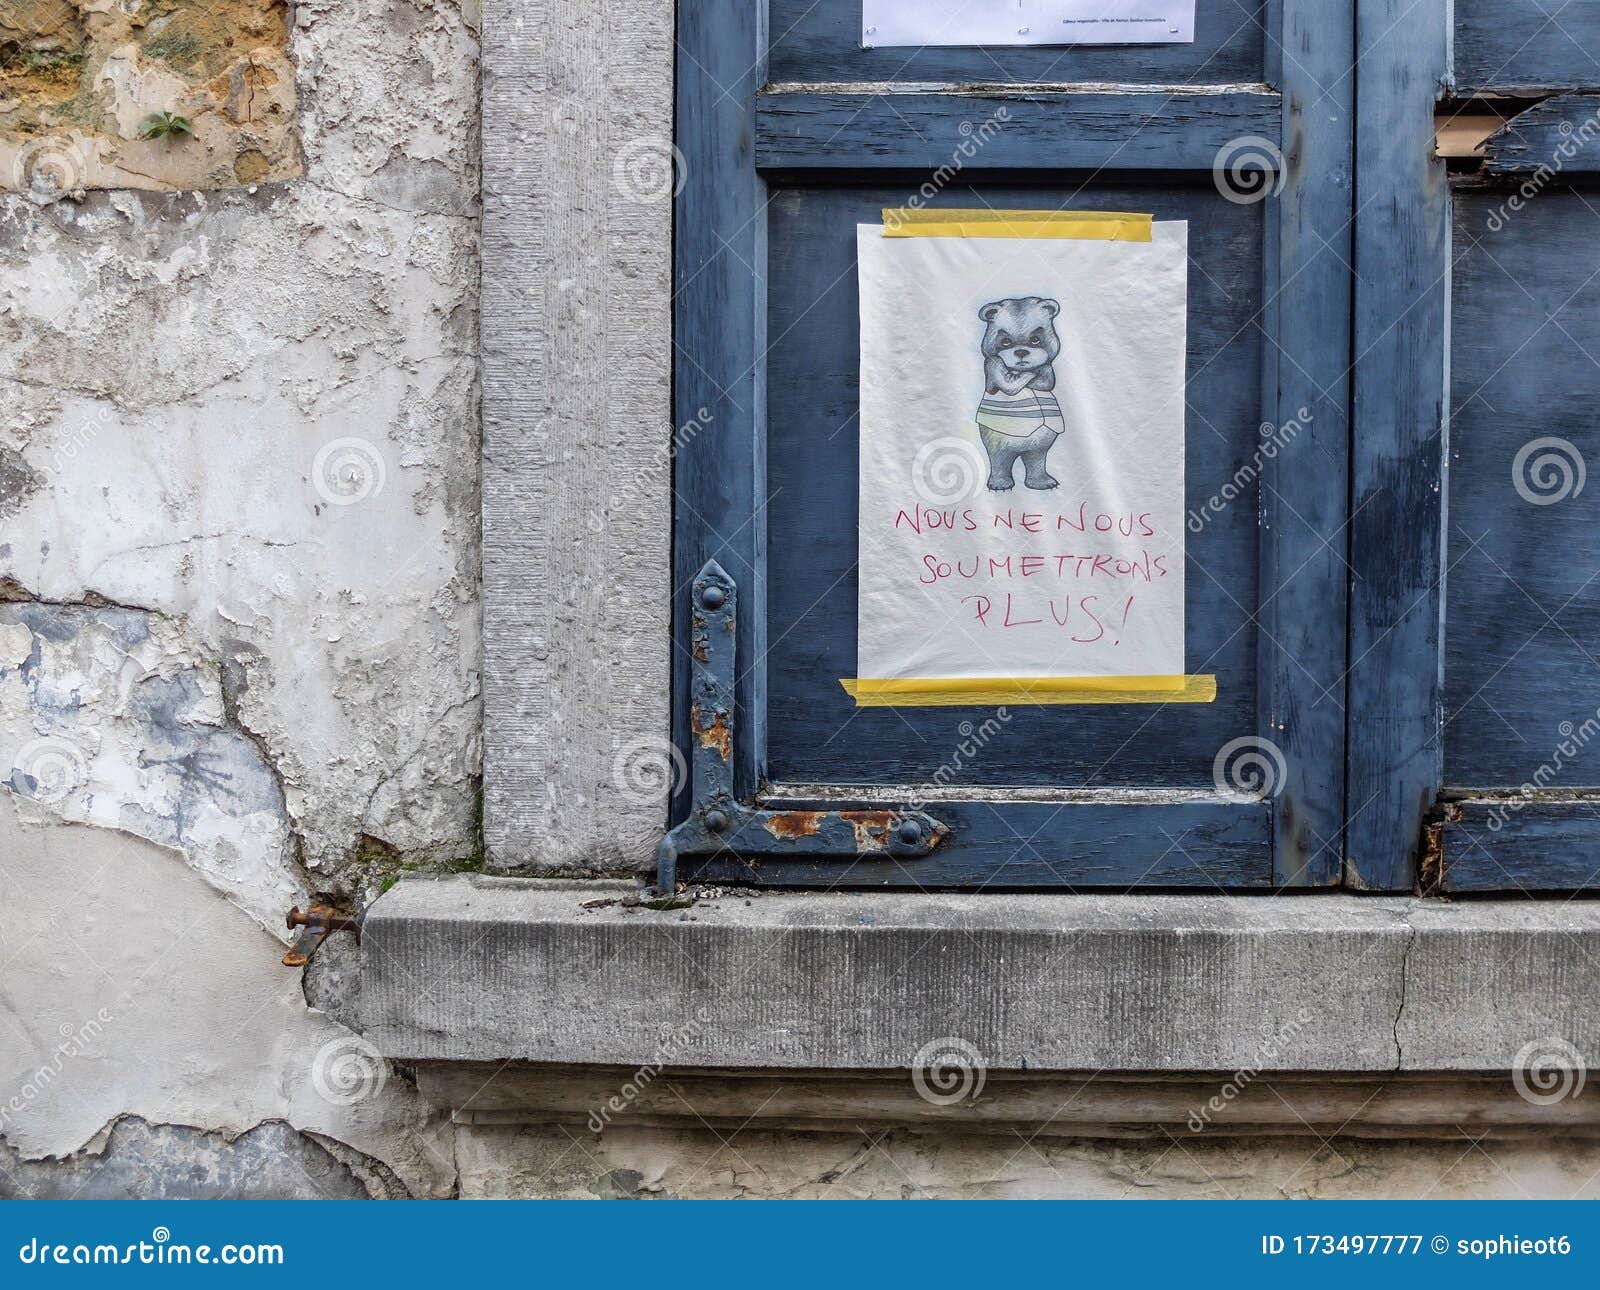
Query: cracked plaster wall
x=239 y=626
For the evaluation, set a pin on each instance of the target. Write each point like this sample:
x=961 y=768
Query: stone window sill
x=465 y=970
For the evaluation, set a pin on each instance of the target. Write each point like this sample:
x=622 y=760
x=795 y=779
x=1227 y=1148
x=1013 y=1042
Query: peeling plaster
x=185 y=376
x=135 y=1160
x=239 y=570
x=129 y=731
x=130 y=988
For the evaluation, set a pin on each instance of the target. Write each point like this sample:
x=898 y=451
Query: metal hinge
x=720 y=824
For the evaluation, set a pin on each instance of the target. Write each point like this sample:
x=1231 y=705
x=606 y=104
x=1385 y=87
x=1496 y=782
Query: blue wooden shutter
x=1475 y=684
x=791 y=135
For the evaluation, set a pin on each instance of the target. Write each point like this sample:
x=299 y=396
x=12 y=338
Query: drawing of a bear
x=1019 y=417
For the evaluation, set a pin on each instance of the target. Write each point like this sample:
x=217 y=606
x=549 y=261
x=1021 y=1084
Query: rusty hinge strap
x=314 y=925
x=718 y=823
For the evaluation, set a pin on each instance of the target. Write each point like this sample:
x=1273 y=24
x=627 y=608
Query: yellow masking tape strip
x=1096 y=226
x=968 y=692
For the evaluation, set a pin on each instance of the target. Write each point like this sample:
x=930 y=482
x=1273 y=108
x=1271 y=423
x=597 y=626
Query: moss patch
x=180 y=49
x=206 y=36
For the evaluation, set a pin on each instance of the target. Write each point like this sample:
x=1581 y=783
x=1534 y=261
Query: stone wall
x=159 y=94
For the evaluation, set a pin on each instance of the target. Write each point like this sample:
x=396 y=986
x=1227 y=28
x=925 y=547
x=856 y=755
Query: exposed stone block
x=142 y=1161
x=155 y=94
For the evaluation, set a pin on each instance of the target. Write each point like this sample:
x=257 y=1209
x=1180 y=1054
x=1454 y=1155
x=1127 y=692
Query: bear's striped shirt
x=1021 y=416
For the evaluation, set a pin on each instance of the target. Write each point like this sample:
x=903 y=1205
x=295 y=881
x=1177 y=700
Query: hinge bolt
x=713 y=597
x=910 y=832
x=717 y=821
x=314 y=924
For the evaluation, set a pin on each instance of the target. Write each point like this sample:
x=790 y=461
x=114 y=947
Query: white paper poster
x=1022 y=456
x=1026 y=22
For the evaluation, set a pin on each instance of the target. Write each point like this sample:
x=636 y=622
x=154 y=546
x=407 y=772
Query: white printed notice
x=1026 y=22
x=1022 y=458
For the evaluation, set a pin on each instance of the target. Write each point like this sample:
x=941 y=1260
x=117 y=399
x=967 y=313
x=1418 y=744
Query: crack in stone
x=1405 y=969
x=233 y=681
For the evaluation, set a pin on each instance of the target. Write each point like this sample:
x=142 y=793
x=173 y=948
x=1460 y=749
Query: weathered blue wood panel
x=1015 y=845
x=1522 y=661
x=719 y=317
x=816 y=734
x=1026 y=130
x=821 y=41
x=1305 y=486
x=1559 y=137
x=1521 y=847
x=1527 y=44
x=1401 y=321
x=1474 y=547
